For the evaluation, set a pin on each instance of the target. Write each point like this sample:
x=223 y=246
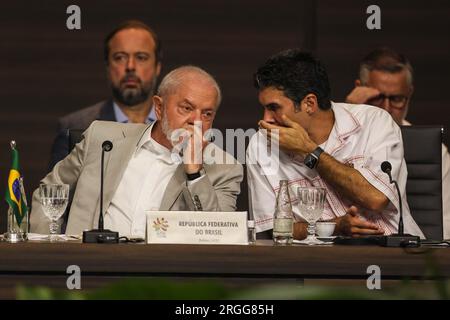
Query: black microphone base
x=100 y=236
x=400 y=240
x=362 y=241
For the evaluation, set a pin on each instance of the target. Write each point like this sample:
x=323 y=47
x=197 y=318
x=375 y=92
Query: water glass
x=54 y=200
x=311 y=202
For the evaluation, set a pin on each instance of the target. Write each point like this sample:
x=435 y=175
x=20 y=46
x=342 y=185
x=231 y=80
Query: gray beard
x=166 y=128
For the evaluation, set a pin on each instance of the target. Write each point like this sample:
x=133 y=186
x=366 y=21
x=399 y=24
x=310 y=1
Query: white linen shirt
x=142 y=188
x=362 y=137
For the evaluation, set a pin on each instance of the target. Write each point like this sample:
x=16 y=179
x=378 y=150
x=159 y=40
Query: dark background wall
x=47 y=70
x=419 y=29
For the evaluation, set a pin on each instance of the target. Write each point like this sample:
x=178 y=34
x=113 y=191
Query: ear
x=411 y=91
x=358 y=83
x=309 y=104
x=158 y=105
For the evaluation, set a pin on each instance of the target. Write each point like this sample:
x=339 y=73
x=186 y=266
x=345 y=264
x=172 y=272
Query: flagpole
x=16 y=232
x=24 y=199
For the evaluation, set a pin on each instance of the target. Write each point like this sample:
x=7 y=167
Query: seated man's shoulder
x=367 y=114
x=112 y=126
x=99 y=131
x=81 y=119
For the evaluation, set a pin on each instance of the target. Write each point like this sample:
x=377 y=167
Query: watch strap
x=317 y=152
x=312 y=159
x=193 y=176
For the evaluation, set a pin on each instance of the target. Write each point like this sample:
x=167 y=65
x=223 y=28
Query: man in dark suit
x=132 y=53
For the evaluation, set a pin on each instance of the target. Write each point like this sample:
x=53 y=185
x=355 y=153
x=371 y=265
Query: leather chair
x=423 y=155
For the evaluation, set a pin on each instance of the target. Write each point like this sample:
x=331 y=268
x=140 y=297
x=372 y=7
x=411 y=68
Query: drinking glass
x=310 y=202
x=54 y=199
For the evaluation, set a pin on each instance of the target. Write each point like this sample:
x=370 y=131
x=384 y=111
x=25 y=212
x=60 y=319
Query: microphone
x=101 y=235
x=107 y=145
x=394 y=240
x=400 y=239
x=386 y=167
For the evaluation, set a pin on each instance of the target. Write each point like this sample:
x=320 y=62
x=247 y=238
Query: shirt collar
x=150 y=144
x=345 y=124
x=121 y=117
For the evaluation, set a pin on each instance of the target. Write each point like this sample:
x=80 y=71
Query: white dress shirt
x=362 y=137
x=142 y=188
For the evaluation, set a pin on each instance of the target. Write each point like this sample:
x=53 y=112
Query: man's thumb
x=353 y=211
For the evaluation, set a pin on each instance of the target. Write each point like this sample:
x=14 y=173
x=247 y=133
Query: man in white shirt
x=142 y=171
x=386 y=81
x=324 y=144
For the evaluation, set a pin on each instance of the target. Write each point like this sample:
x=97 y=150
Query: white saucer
x=326 y=238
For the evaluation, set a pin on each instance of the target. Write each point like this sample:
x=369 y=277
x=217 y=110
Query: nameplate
x=197 y=227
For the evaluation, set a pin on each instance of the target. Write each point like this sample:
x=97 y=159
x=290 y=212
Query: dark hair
x=297 y=74
x=387 y=60
x=133 y=24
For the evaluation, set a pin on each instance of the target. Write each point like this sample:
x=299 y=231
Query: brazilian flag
x=14 y=195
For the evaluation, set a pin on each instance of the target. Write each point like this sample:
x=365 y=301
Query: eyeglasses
x=396 y=101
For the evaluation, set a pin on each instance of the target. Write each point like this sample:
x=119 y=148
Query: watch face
x=310 y=161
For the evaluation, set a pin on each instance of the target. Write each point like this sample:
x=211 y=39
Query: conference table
x=43 y=263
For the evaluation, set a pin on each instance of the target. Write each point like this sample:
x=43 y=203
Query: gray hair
x=174 y=78
x=386 y=60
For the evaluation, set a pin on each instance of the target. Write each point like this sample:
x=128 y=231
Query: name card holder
x=197 y=227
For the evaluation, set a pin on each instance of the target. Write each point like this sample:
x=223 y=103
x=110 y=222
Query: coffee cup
x=325 y=229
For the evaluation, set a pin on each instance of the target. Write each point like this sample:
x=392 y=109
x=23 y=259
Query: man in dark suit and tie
x=132 y=53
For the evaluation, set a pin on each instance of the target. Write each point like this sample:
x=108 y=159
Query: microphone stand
x=101 y=235
x=400 y=239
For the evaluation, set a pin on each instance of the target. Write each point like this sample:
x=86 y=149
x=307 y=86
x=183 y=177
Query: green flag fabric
x=14 y=195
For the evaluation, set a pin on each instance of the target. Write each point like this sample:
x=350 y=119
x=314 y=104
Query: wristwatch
x=196 y=175
x=312 y=159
